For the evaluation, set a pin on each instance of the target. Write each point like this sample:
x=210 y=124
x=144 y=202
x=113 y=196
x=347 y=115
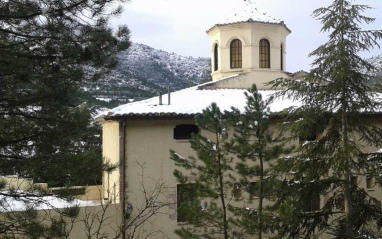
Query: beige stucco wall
x=106 y=219
x=16 y=183
x=260 y=78
x=92 y=193
x=250 y=35
x=110 y=151
x=148 y=165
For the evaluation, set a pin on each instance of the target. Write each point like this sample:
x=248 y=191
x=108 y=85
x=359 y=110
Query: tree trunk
x=260 y=209
x=221 y=188
x=347 y=174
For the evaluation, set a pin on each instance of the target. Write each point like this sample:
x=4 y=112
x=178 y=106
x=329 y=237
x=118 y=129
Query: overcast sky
x=180 y=26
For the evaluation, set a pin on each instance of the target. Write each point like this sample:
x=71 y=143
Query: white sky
x=180 y=25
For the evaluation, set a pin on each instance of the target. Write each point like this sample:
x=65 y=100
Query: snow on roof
x=250 y=13
x=25 y=200
x=191 y=101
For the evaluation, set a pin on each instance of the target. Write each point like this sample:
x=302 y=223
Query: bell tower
x=250 y=43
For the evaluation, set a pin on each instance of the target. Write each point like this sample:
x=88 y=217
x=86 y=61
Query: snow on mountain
x=142 y=71
x=376 y=61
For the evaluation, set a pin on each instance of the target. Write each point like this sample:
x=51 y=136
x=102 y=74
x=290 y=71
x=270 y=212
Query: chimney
x=160 y=98
x=169 y=96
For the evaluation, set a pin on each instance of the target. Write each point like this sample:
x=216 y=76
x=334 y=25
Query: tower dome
x=251 y=43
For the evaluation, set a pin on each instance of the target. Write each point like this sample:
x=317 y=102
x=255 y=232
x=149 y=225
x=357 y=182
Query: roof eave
x=250 y=21
x=176 y=116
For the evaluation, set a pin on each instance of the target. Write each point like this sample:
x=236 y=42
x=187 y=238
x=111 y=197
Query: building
x=247 y=48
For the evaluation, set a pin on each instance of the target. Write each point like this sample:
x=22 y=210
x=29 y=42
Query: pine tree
x=225 y=168
x=256 y=146
x=44 y=46
x=212 y=187
x=336 y=100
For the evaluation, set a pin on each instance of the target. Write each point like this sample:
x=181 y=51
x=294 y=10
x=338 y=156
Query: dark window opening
x=310 y=134
x=236 y=191
x=281 y=58
x=313 y=204
x=252 y=189
x=216 y=62
x=186 y=201
x=185 y=131
x=354 y=181
x=370 y=182
x=236 y=54
x=265 y=54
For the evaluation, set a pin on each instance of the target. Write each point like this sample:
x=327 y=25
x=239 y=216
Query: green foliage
x=230 y=171
x=336 y=101
x=212 y=169
x=45 y=133
x=44 y=46
x=256 y=146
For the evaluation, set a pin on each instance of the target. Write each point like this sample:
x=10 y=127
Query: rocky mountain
x=376 y=61
x=143 y=71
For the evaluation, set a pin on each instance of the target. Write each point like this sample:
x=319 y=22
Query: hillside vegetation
x=143 y=71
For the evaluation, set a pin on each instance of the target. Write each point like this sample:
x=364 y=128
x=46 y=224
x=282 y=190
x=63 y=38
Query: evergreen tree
x=336 y=100
x=256 y=147
x=229 y=171
x=44 y=46
x=211 y=190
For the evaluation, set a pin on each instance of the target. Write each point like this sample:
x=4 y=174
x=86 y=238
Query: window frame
x=236 y=54
x=264 y=52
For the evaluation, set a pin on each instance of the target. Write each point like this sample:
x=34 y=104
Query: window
x=370 y=182
x=252 y=189
x=313 y=203
x=186 y=201
x=265 y=54
x=185 y=131
x=281 y=58
x=236 y=191
x=308 y=135
x=236 y=54
x=216 y=61
x=354 y=181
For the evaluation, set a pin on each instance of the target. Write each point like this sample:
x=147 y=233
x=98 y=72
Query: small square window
x=185 y=131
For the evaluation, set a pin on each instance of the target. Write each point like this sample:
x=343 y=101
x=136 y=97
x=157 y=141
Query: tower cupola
x=250 y=43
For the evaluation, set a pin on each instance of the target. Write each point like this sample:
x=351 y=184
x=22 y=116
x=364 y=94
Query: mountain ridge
x=142 y=71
